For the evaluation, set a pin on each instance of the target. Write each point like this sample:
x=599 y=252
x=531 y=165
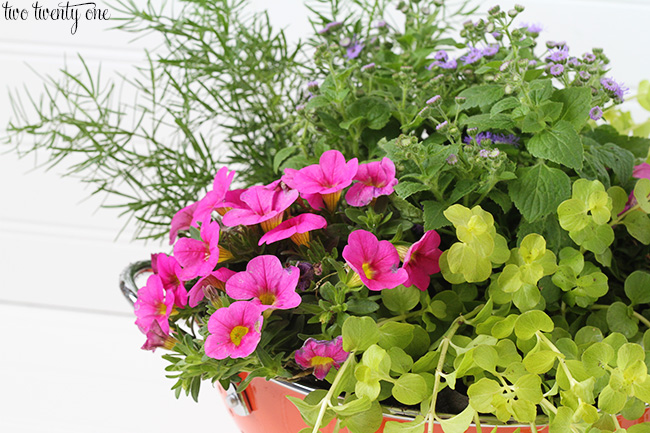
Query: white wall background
x=70 y=358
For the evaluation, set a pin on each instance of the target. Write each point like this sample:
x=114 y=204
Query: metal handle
x=128 y=278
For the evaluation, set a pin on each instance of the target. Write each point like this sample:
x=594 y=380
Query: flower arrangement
x=433 y=212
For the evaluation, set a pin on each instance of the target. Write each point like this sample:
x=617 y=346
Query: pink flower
x=170 y=274
x=374 y=179
x=421 y=260
x=235 y=331
x=216 y=279
x=642 y=171
x=182 y=221
x=376 y=262
x=198 y=258
x=157 y=338
x=296 y=228
x=216 y=198
x=321 y=355
x=314 y=200
x=328 y=178
x=267 y=283
x=153 y=305
x=264 y=206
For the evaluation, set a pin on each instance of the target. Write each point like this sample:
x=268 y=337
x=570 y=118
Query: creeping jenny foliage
x=541 y=311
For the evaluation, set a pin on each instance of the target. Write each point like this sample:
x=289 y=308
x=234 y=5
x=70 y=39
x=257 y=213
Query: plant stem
x=402 y=316
x=326 y=400
x=548 y=405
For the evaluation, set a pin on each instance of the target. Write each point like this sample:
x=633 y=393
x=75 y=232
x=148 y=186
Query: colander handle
x=128 y=277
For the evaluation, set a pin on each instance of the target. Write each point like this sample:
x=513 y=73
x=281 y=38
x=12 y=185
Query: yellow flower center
x=321 y=360
x=237 y=333
x=162 y=309
x=267 y=298
x=368 y=271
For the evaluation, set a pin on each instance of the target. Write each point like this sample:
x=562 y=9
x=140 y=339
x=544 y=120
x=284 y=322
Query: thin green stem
x=330 y=393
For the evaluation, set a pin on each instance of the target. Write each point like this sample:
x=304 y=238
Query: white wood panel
x=70 y=372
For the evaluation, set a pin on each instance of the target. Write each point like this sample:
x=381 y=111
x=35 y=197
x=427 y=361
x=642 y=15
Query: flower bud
x=519 y=8
x=434 y=101
x=312 y=86
x=508 y=89
x=494 y=10
x=513 y=13
x=460 y=100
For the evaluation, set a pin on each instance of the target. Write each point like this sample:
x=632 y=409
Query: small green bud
x=489 y=27
x=513 y=13
x=519 y=8
x=597 y=50
x=508 y=89
x=494 y=10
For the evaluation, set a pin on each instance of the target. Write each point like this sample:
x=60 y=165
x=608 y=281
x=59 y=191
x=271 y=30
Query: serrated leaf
x=482 y=95
x=433 y=215
x=487 y=122
x=576 y=105
x=561 y=144
x=539 y=191
x=407 y=189
x=505 y=105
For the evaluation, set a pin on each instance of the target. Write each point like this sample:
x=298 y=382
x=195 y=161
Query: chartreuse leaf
x=359 y=333
x=400 y=361
x=611 y=401
x=561 y=144
x=540 y=362
x=619 y=199
x=458 y=423
x=619 y=319
x=596 y=357
x=539 y=190
x=353 y=407
x=395 y=334
x=562 y=421
x=401 y=299
x=374 y=366
x=637 y=224
x=309 y=411
x=481 y=394
x=415 y=426
x=639 y=428
x=531 y=322
x=637 y=287
x=641 y=193
x=410 y=389
x=368 y=421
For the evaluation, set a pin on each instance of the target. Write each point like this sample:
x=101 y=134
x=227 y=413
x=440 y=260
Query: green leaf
x=561 y=145
x=641 y=193
x=458 y=423
x=318 y=101
x=407 y=189
x=400 y=361
x=621 y=161
x=643 y=94
x=401 y=299
x=505 y=105
x=541 y=90
x=539 y=191
x=576 y=105
x=410 y=389
x=362 y=306
x=282 y=155
x=486 y=121
x=620 y=320
x=637 y=287
x=416 y=426
x=353 y=407
x=532 y=321
x=375 y=110
x=595 y=357
x=540 y=362
x=395 y=334
x=406 y=209
x=611 y=401
x=433 y=215
x=359 y=333
x=639 y=428
x=481 y=394
x=533 y=123
x=637 y=224
x=309 y=412
x=368 y=421
x=482 y=95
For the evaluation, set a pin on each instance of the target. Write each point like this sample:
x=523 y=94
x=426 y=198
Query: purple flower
x=491 y=50
x=442 y=125
x=556 y=69
x=368 y=67
x=473 y=56
x=381 y=23
x=532 y=63
x=596 y=113
x=433 y=100
x=451 y=64
x=613 y=88
x=330 y=26
x=558 y=56
x=354 y=49
x=441 y=55
x=306 y=275
x=573 y=61
x=532 y=28
x=452 y=159
x=312 y=86
x=584 y=75
x=484 y=153
x=589 y=57
x=510 y=139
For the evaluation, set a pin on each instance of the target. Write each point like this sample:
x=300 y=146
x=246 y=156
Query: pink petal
x=642 y=171
x=181 y=221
